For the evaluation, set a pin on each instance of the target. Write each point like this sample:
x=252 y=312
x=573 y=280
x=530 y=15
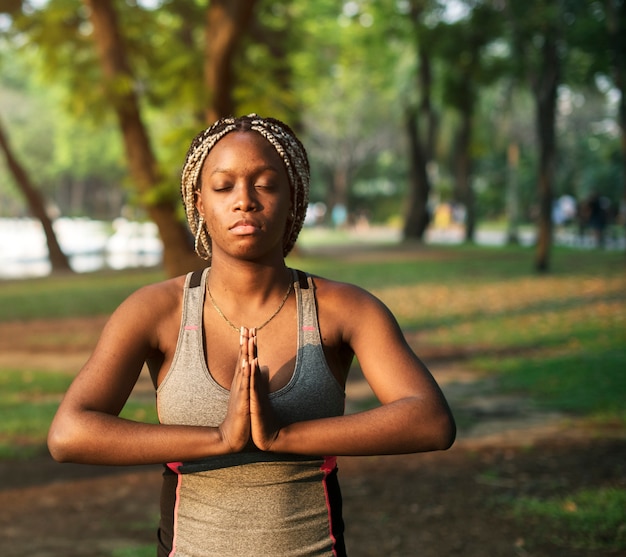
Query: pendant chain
x=221 y=313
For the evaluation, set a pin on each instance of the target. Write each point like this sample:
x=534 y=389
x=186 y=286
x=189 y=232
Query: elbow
x=61 y=444
x=443 y=432
x=448 y=436
x=447 y=431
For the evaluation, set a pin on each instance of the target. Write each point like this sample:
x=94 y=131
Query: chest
x=276 y=350
x=277 y=347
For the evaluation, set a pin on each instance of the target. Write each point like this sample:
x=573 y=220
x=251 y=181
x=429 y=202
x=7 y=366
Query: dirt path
x=439 y=504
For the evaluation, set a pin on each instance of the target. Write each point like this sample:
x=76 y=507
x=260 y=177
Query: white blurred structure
x=89 y=245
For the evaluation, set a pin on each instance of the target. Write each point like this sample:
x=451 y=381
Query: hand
x=263 y=423
x=235 y=429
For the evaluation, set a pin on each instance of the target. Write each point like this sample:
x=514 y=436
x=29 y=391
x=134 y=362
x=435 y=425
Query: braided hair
x=288 y=147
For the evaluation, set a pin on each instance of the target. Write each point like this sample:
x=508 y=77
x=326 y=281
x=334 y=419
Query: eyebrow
x=257 y=170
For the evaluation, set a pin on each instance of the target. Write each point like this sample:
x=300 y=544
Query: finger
x=251 y=347
x=244 y=335
x=244 y=353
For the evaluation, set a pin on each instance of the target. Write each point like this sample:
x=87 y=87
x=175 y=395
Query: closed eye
x=265 y=186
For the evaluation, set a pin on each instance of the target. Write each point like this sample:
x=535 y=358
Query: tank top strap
x=308 y=327
x=193 y=298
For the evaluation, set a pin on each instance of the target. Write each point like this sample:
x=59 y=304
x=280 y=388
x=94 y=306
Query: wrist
x=280 y=442
x=224 y=444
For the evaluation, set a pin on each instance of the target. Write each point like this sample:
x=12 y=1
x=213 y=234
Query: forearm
x=99 y=438
x=397 y=428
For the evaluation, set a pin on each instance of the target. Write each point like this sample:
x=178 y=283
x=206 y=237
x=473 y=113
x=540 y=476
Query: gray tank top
x=250 y=504
x=189 y=395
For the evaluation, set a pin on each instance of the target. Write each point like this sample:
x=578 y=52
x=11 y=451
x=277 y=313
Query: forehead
x=240 y=150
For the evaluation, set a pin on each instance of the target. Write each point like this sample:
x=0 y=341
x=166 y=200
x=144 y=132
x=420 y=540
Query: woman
x=250 y=360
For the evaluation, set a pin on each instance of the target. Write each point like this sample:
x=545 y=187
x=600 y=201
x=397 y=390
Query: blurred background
x=468 y=167
x=461 y=121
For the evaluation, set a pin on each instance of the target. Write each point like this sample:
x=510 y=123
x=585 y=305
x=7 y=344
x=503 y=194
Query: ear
x=198 y=202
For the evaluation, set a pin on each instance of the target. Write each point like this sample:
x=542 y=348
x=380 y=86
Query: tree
x=351 y=126
x=36 y=204
x=420 y=123
x=141 y=72
x=468 y=70
x=226 y=23
x=178 y=254
x=545 y=85
x=537 y=36
x=616 y=27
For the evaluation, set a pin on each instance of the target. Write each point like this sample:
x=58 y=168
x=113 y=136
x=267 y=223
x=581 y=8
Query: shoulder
x=331 y=291
x=150 y=309
x=347 y=307
x=157 y=297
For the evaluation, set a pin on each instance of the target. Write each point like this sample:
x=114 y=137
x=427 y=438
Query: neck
x=248 y=279
x=247 y=290
x=246 y=298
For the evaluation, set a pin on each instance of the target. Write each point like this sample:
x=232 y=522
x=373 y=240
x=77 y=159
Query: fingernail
x=243 y=363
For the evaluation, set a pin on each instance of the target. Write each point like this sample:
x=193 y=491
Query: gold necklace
x=221 y=313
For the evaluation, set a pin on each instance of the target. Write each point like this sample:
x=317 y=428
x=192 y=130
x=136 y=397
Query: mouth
x=244 y=228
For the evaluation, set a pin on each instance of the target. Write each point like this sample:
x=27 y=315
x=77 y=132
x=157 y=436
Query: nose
x=245 y=198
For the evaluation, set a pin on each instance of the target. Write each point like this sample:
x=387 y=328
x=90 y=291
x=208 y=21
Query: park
x=467 y=167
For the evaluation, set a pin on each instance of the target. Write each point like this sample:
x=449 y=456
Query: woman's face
x=244 y=197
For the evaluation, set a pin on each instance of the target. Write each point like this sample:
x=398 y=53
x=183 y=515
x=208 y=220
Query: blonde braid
x=288 y=147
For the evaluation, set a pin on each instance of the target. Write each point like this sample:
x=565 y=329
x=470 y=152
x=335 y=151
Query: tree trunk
x=35 y=201
x=420 y=125
x=178 y=254
x=616 y=26
x=226 y=22
x=418 y=216
x=464 y=172
x=512 y=187
x=545 y=91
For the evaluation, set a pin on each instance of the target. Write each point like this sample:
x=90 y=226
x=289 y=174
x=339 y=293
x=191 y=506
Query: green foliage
x=342 y=74
x=61 y=154
x=586 y=519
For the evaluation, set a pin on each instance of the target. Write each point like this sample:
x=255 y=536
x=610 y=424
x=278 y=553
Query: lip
x=244 y=228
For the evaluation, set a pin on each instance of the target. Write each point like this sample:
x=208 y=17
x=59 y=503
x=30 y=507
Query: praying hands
x=249 y=417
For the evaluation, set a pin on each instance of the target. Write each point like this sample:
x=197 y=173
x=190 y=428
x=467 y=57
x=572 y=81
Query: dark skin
x=245 y=201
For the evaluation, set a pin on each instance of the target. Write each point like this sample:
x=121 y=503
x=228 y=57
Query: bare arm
x=414 y=415
x=87 y=428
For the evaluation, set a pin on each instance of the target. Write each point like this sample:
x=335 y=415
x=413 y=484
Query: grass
x=70 y=295
x=135 y=551
x=29 y=400
x=586 y=519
